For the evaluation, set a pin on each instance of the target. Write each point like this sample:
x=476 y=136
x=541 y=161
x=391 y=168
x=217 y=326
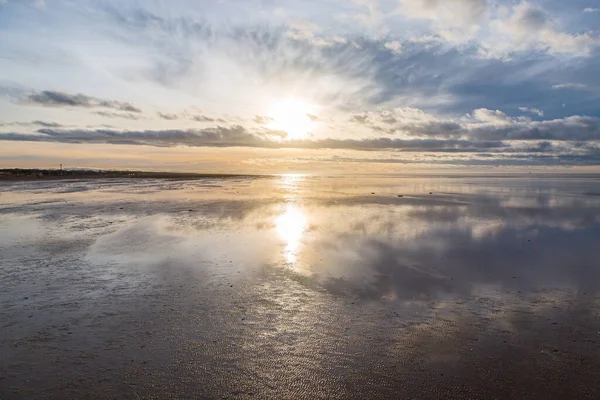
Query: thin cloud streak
x=50 y=98
x=237 y=136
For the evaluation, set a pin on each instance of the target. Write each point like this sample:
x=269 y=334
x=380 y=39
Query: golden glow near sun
x=293 y=117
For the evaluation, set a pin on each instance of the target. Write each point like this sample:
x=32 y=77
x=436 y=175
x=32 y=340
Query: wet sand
x=301 y=287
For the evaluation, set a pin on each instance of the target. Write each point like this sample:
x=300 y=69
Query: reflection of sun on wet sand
x=152 y=288
x=290 y=226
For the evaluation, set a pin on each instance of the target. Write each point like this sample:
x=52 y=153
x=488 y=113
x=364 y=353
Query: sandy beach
x=301 y=287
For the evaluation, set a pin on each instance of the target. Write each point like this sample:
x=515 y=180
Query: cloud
x=360 y=118
x=167 y=116
x=262 y=119
x=453 y=20
x=256 y=63
x=237 y=136
x=427 y=74
x=491 y=116
x=203 y=118
x=303 y=30
x=447 y=12
x=369 y=15
x=395 y=47
x=499 y=30
x=477 y=138
x=49 y=98
x=482 y=159
x=569 y=86
x=578 y=128
x=234 y=64
x=481 y=125
x=184 y=115
x=45 y=124
x=591 y=10
x=210 y=137
x=530 y=27
x=535 y=111
x=108 y=114
x=409 y=122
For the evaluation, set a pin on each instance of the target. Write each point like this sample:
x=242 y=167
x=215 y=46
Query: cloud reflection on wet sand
x=296 y=286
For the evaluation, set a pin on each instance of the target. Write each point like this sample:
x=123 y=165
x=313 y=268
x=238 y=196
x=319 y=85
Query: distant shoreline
x=34 y=174
x=41 y=174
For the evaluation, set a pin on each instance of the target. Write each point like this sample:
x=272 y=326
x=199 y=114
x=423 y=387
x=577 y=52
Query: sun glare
x=293 y=117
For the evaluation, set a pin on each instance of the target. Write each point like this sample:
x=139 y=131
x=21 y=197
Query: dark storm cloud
x=50 y=98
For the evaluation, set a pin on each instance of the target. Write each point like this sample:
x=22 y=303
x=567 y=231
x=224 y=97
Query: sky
x=282 y=86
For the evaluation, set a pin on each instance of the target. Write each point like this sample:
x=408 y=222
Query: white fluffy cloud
x=529 y=27
x=446 y=12
x=491 y=116
x=535 y=111
x=500 y=30
x=395 y=47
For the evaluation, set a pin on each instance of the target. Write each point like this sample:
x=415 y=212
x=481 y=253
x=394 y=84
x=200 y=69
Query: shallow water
x=301 y=287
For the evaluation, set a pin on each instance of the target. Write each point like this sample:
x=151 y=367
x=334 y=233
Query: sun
x=293 y=117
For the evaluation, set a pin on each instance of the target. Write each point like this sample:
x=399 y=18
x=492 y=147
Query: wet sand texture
x=301 y=288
